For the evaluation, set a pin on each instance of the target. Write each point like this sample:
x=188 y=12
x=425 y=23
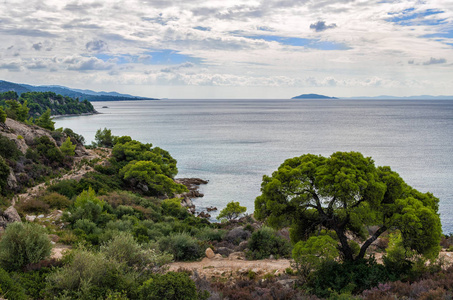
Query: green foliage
x=48 y=152
x=45 y=121
x=172 y=207
x=232 y=211
x=55 y=200
x=132 y=150
x=90 y=275
x=67 y=148
x=22 y=244
x=170 y=286
x=347 y=278
x=2 y=115
x=68 y=188
x=10 y=289
x=104 y=138
x=39 y=102
x=183 y=246
x=4 y=173
x=344 y=193
x=266 y=242
x=17 y=111
x=309 y=255
x=124 y=249
x=8 y=148
x=147 y=176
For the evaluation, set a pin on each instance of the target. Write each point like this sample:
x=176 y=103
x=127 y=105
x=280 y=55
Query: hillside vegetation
x=39 y=102
x=123 y=220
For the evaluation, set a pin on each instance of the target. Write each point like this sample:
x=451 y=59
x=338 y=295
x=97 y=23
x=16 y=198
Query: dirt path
x=76 y=173
x=225 y=267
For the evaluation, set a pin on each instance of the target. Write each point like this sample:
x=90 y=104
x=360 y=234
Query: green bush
x=173 y=285
x=10 y=289
x=265 y=242
x=347 y=277
x=90 y=275
x=182 y=246
x=8 y=148
x=68 y=188
x=55 y=200
x=124 y=249
x=22 y=244
x=4 y=173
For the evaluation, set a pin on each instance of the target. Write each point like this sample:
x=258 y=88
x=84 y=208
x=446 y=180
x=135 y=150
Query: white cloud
x=113 y=40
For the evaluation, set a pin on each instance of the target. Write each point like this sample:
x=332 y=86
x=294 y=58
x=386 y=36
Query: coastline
x=76 y=115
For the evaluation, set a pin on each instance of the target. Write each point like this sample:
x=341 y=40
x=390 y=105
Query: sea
x=233 y=143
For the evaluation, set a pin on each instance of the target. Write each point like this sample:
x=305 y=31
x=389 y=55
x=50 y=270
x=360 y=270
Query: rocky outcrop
x=23 y=134
x=9 y=216
x=192 y=185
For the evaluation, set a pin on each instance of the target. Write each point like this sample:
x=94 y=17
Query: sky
x=231 y=49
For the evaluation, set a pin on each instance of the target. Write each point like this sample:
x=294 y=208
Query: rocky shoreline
x=193 y=185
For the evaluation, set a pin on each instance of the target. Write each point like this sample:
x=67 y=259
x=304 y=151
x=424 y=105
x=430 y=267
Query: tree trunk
x=370 y=241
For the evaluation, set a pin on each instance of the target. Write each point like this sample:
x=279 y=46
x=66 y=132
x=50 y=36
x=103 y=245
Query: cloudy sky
x=231 y=48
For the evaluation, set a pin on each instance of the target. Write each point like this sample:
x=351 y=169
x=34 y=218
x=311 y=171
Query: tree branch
x=370 y=241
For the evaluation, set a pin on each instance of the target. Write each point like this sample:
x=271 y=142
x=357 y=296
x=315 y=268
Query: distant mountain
x=89 y=95
x=312 y=96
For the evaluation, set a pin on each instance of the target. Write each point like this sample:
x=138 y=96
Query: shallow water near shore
x=233 y=143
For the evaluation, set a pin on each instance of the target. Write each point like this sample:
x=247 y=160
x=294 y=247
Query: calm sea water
x=233 y=143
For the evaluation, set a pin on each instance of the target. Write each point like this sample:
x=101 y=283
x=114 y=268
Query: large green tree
x=347 y=194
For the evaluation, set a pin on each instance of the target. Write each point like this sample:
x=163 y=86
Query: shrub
x=173 y=285
x=209 y=234
x=8 y=148
x=33 y=205
x=182 y=246
x=265 y=242
x=124 y=249
x=347 y=277
x=68 y=188
x=232 y=211
x=9 y=288
x=55 y=200
x=67 y=148
x=4 y=173
x=22 y=244
x=89 y=275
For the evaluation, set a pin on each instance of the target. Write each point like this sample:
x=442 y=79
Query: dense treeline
x=39 y=102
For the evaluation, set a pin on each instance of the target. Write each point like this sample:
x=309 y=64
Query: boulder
x=224 y=251
x=237 y=256
x=209 y=253
x=9 y=216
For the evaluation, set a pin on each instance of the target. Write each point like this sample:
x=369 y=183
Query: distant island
x=382 y=97
x=312 y=96
x=89 y=95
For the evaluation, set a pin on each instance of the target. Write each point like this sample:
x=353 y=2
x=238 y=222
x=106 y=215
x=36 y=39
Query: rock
x=204 y=215
x=30 y=218
x=212 y=208
x=237 y=256
x=54 y=238
x=9 y=216
x=11 y=181
x=242 y=246
x=209 y=253
x=237 y=235
x=224 y=251
x=271 y=257
x=288 y=283
x=218 y=256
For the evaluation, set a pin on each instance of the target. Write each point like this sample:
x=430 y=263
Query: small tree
x=67 y=148
x=22 y=244
x=45 y=121
x=104 y=138
x=232 y=211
